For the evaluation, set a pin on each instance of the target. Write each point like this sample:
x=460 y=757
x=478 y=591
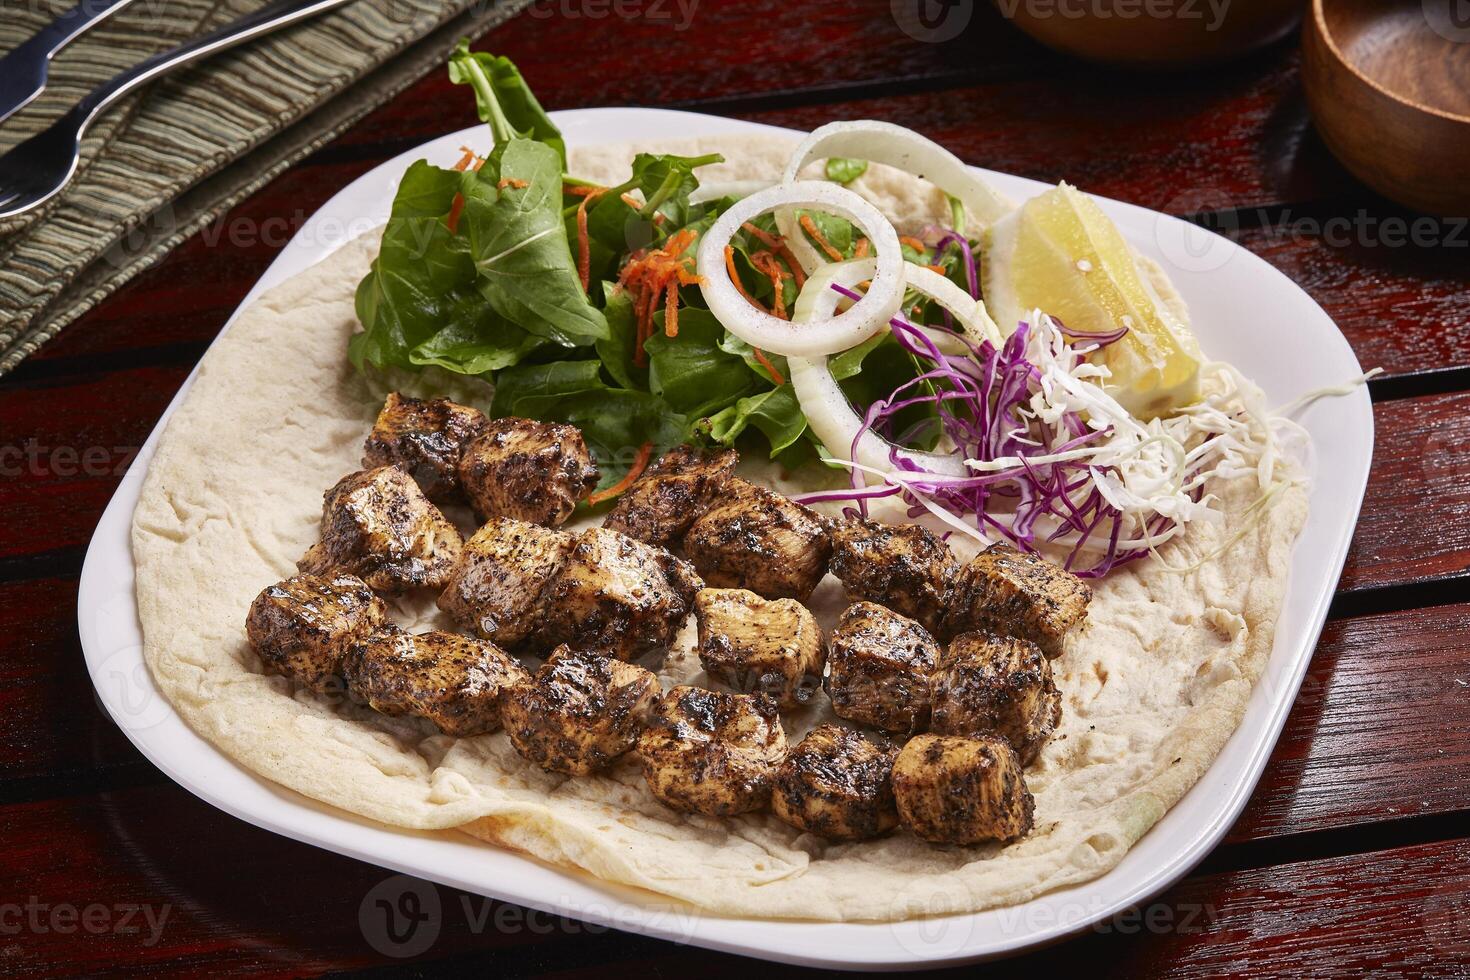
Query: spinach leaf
x=691 y=371
x=844 y=170
x=520 y=248
x=614 y=421
x=776 y=413
x=422 y=276
x=555 y=379
x=732 y=344
x=618 y=349
x=504 y=99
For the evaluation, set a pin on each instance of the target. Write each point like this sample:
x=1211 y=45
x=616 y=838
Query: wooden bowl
x=1389 y=89
x=1180 y=33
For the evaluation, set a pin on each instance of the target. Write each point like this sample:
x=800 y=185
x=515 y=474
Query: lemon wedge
x=1060 y=254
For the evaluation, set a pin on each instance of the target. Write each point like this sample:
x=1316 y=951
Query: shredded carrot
x=935 y=267
x=631 y=201
x=767 y=263
x=860 y=250
x=640 y=462
x=735 y=278
x=514 y=182
x=456 y=208
x=584 y=242
x=470 y=158
x=765 y=362
x=582 y=190
x=913 y=243
x=671 y=311
x=767 y=239
x=810 y=227
x=794 y=265
x=655 y=276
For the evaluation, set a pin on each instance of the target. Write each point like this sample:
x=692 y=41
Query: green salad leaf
x=479 y=273
x=844 y=170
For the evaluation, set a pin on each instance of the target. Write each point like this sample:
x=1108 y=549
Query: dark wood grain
x=234 y=900
x=1351 y=855
x=1380 y=730
x=1415 y=523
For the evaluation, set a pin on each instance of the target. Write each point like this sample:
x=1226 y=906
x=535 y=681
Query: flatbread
x=1152 y=687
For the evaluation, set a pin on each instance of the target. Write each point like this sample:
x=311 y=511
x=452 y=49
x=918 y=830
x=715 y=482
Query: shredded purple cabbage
x=980 y=399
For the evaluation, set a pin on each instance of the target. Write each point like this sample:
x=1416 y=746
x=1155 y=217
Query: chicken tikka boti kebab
x=943 y=668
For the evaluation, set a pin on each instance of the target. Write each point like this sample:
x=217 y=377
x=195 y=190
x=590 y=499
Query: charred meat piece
x=902 y=566
x=579 y=713
x=496 y=587
x=378 y=525
x=616 y=595
x=710 y=752
x=451 y=679
x=754 y=538
x=953 y=790
x=768 y=646
x=678 y=488
x=302 y=628
x=532 y=471
x=878 y=668
x=836 y=784
x=424 y=439
x=991 y=685
x=1012 y=593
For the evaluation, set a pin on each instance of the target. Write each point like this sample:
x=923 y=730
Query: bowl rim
x=1319 y=24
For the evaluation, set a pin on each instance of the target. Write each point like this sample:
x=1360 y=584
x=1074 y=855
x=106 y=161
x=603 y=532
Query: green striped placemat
x=164 y=164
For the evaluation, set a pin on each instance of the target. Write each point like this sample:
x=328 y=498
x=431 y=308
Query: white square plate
x=1243 y=310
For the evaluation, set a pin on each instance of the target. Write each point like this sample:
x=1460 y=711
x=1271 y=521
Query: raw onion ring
x=823 y=402
x=826 y=334
x=895 y=146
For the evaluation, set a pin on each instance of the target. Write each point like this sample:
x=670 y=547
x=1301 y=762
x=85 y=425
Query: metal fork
x=23 y=71
x=35 y=171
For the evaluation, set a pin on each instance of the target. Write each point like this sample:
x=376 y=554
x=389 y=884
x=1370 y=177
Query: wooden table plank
x=1415 y=522
x=1380 y=730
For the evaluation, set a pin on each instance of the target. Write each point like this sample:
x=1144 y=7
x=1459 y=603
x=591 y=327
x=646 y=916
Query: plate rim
x=113 y=668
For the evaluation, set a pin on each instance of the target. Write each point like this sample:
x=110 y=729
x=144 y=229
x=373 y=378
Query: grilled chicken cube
x=954 y=790
x=991 y=685
x=378 y=525
x=424 y=439
x=905 y=567
x=453 y=680
x=496 y=587
x=621 y=597
x=878 y=668
x=579 y=713
x=532 y=471
x=661 y=505
x=712 y=753
x=836 y=784
x=754 y=538
x=302 y=628
x=1012 y=593
x=769 y=646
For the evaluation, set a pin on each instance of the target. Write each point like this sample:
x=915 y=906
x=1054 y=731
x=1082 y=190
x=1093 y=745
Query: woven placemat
x=170 y=160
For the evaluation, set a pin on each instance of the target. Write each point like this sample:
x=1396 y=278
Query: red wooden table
x=1355 y=850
